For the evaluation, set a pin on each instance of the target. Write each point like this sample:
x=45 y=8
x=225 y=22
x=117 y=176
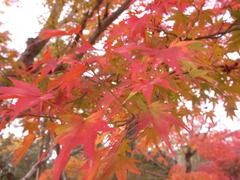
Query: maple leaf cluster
x=106 y=109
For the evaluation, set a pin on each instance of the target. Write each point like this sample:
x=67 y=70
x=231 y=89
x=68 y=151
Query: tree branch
x=83 y=23
x=36 y=45
x=217 y=35
x=35 y=167
x=188 y=156
x=108 y=21
x=233 y=27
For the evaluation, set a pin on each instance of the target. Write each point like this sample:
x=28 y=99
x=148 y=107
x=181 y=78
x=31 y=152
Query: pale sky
x=22 y=21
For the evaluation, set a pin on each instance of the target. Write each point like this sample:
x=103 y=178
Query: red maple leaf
x=48 y=33
x=77 y=136
x=170 y=56
x=27 y=96
x=159 y=115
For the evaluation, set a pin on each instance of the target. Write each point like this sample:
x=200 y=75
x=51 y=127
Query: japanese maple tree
x=106 y=86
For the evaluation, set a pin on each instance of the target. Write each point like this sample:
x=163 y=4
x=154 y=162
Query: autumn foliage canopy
x=110 y=85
